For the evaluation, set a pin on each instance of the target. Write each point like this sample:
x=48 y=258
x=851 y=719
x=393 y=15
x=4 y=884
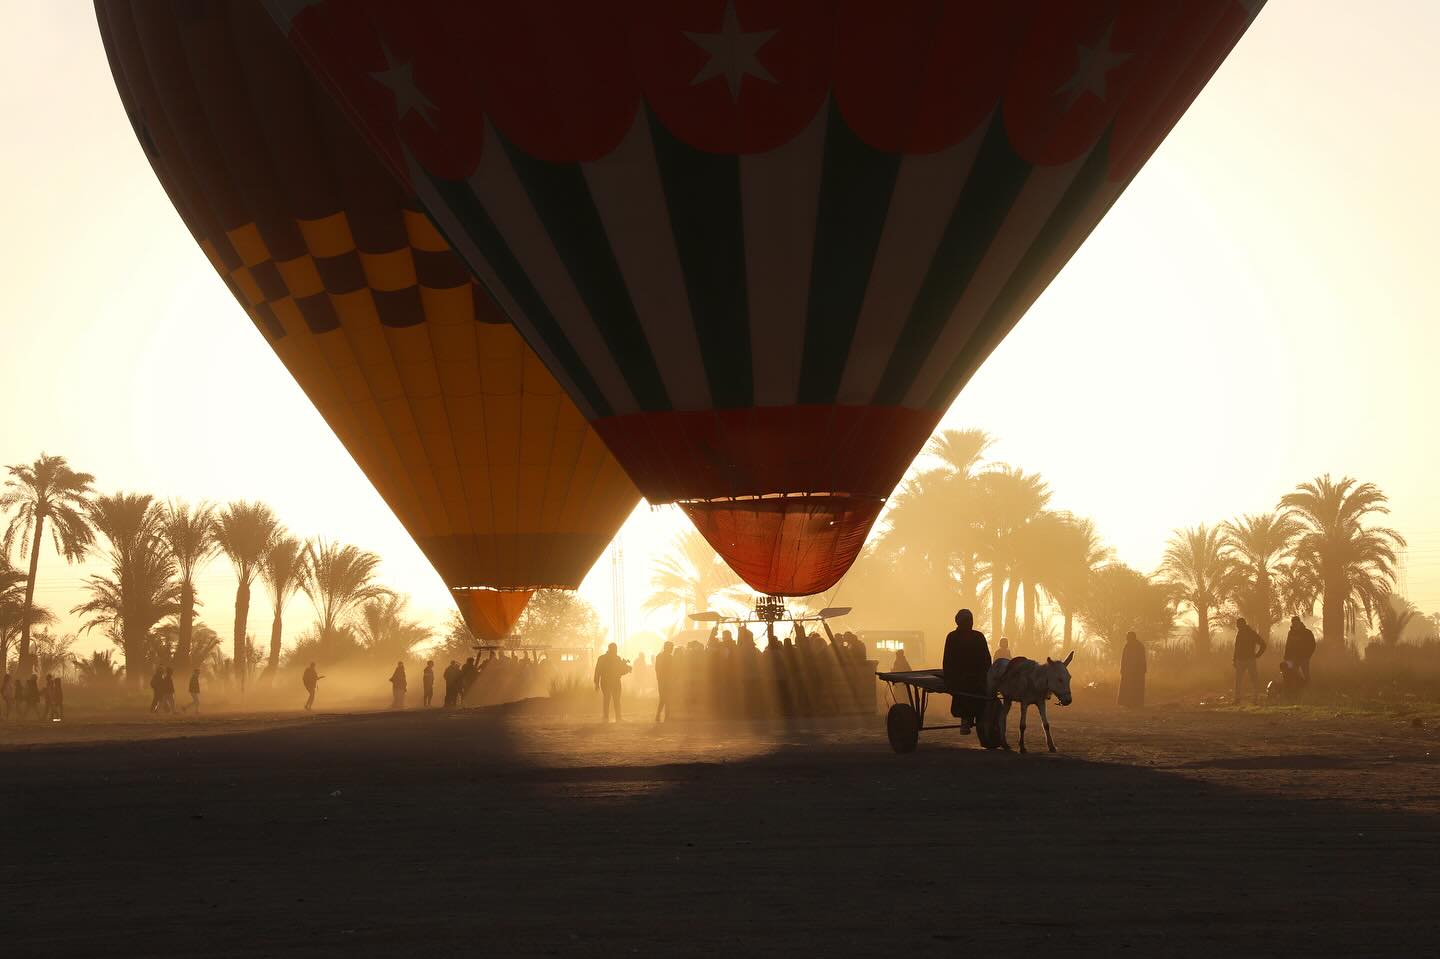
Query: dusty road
x=1171 y=832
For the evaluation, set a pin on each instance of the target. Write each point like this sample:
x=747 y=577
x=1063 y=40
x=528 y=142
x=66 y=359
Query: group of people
x=28 y=699
x=1294 y=662
x=162 y=691
x=731 y=676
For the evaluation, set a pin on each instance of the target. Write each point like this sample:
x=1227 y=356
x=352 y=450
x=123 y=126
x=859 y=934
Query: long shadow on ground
x=386 y=835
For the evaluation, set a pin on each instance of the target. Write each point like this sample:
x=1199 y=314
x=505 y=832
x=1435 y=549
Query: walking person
x=664 y=663
x=1132 y=672
x=1249 y=647
x=157 y=684
x=167 y=691
x=32 y=697
x=194 y=692
x=311 y=679
x=427 y=683
x=608 y=670
x=397 y=687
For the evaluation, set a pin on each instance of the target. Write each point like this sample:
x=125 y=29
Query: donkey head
x=1055 y=678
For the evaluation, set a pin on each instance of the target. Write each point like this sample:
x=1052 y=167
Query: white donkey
x=1026 y=681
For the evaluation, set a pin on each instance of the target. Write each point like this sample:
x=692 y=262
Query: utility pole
x=617 y=589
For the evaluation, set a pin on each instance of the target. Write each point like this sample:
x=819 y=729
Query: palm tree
x=1076 y=552
x=1254 y=543
x=141 y=589
x=1201 y=575
x=189 y=534
x=243 y=532
x=1395 y=615
x=689 y=577
x=12 y=608
x=99 y=670
x=47 y=489
x=384 y=630
x=1008 y=499
x=283 y=570
x=338 y=579
x=1356 y=563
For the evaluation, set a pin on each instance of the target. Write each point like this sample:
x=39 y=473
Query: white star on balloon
x=399 y=79
x=734 y=54
x=1095 y=63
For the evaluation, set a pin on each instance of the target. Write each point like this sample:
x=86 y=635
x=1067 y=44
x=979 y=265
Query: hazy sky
x=1258 y=308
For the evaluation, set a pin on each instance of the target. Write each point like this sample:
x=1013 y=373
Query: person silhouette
x=311 y=679
x=427 y=682
x=1132 y=672
x=397 y=687
x=1249 y=647
x=966 y=663
x=901 y=664
x=664 y=663
x=1299 y=647
x=608 y=670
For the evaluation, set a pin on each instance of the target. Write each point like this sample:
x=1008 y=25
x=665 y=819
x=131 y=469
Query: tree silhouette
x=338 y=578
x=189 y=534
x=140 y=590
x=689 y=577
x=1201 y=575
x=283 y=570
x=1355 y=563
x=243 y=532
x=1254 y=543
x=47 y=490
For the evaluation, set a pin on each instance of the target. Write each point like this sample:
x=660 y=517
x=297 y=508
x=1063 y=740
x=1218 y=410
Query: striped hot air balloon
x=764 y=244
x=463 y=431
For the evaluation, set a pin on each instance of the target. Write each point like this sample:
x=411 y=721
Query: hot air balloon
x=462 y=430
x=764 y=244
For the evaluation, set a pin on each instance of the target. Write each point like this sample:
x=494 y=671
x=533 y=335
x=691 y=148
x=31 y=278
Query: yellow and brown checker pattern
x=454 y=419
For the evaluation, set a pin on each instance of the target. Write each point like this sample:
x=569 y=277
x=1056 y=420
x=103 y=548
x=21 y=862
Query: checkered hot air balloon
x=764 y=244
x=466 y=435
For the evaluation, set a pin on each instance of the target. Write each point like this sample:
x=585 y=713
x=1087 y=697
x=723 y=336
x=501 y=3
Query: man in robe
x=1132 y=672
x=966 y=663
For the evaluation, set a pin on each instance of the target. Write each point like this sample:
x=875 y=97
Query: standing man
x=194 y=692
x=1249 y=646
x=452 y=683
x=427 y=682
x=468 y=672
x=664 y=662
x=397 y=687
x=608 y=670
x=311 y=679
x=7 y=695
x=1299 y=647
x=966 y=663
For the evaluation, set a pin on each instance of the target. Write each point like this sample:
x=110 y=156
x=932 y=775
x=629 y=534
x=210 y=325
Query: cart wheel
x=903 y=725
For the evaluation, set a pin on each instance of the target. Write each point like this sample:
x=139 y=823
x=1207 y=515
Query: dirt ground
x=1172 y=831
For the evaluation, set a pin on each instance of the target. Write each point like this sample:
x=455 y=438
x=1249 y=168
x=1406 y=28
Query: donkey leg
x=1024 y=711
x=1045 y=721
x=1005 y=726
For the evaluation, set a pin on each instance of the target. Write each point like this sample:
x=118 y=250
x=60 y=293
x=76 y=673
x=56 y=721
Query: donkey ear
x=1070 y=657
x=1049 y=661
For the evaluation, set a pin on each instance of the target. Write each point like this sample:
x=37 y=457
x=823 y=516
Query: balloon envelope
x=461 y=428
x=764 y=244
